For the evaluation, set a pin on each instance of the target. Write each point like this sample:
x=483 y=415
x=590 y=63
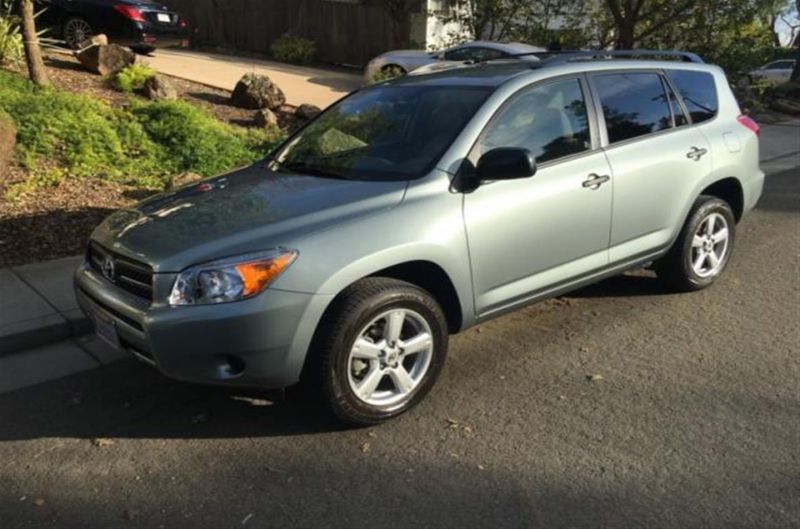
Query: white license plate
x=163 y=18
x=106 y=329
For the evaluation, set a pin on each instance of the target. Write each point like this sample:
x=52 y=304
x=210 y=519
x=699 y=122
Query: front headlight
x=230 y=279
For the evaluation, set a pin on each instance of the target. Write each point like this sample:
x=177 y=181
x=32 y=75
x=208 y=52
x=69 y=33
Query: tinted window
x=473 y=53
x=698 y=91
x=634 y=104
x=383 y=133
x=780 y=65
x=549 y=119
x=675 y=106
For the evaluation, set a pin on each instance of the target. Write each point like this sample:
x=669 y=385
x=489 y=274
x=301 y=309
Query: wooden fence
x=344 y=32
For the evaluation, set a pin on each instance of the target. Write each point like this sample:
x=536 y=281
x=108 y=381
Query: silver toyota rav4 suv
x=419 y=207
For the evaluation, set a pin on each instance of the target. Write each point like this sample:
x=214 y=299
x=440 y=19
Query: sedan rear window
x=383 y=133
x=698 y=91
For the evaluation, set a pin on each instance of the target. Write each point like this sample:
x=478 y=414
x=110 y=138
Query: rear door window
x=634 y=104
x=698 y=91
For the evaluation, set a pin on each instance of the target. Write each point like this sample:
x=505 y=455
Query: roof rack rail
x=559 y=57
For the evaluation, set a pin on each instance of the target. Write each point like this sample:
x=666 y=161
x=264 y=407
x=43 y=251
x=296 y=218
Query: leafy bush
x=295 y=50
x=133 y=77
x=63 y=135
x=387 y=73
x=11 y=50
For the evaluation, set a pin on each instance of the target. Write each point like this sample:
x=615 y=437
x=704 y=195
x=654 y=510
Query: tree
x=33 y=52
x=637 y=19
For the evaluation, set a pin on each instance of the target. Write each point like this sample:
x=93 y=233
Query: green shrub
x=64 y=135
x=387 y=73
x=295 y=50
x=132 y=78
x=11 y=50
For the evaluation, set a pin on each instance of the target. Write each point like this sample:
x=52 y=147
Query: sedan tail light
x=750 y=123
x=130 y=12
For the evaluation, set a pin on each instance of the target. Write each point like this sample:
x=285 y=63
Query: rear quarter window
x=698 y=91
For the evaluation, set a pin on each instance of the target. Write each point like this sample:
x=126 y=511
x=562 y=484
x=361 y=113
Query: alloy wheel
x=710 y=246
x=390 y=357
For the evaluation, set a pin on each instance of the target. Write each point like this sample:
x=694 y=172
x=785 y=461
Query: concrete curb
x=38 y=306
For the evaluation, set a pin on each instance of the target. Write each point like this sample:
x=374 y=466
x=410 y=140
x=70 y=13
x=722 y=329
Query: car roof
x=493 y=73
x=508 y=47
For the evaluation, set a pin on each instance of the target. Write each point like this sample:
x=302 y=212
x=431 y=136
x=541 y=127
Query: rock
x=183 y=179
x=265 y=118
x=95 y=40
x=257 y=91
x=8 y=140
x=306 y=111
x=106 y=59
x=159 y=87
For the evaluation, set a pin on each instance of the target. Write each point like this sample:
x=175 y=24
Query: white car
x=401 y=62
x=774 y=72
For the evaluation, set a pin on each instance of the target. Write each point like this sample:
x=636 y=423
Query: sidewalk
x=301 y=84
x=44 y=335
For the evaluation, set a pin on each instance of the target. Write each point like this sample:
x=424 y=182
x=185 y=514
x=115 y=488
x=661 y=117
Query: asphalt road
x=695 y=423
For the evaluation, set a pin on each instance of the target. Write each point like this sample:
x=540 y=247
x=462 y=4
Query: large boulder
x=159 y=87
x=306 y=111
x=257 y=91
x=8 y=140
x=265 y=118
x=95 y=40
x=106 y=59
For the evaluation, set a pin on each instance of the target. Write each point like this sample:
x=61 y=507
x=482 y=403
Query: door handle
x=594 y=181
x=696 y=153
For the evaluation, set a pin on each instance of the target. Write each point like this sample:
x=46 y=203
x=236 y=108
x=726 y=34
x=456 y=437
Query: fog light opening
x=230 y=366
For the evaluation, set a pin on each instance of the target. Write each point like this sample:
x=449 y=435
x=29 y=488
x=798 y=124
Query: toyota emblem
x=109 y=270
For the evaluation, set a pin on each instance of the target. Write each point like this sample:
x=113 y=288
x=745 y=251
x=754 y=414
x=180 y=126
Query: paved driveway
x=301 y=84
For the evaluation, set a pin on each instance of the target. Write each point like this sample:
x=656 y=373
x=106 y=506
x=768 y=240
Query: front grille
x=129 y=275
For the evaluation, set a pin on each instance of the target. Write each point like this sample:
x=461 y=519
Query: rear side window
x=634 y=104
x=699 y=93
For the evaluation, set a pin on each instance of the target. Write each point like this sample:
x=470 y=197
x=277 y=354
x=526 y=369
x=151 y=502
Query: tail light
x=130 y=12
x=182 y=23
x=750 y=124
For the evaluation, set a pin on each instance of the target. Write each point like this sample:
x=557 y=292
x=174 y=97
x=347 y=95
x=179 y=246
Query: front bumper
x=264 y=339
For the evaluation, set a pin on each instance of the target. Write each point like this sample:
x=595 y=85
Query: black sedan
x=141 y=24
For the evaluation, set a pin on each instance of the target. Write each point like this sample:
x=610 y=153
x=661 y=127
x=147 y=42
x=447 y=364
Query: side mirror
x=506 y=163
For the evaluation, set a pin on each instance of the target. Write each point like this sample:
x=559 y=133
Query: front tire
x=379 y=350
x=703 y=248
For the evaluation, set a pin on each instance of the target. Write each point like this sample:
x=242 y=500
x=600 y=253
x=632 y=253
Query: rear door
x=530 y=235
x=656 y=158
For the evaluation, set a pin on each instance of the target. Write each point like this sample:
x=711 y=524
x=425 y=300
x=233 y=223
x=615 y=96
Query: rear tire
x=379 y=350
x=76 y=31
x=703 y=248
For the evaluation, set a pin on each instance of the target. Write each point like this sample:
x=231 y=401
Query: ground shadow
x=209 y=97
x=42 y=236
x=636 y=283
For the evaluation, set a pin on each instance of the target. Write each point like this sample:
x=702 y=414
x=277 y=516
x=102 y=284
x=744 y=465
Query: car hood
x=248 y=210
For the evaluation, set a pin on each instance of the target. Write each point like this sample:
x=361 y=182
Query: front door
x=527 y=236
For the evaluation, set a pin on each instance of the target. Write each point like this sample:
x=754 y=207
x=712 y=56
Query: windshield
x=384 y=133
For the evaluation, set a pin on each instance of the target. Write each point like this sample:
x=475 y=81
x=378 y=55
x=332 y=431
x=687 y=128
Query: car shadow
x=631 y=284
x=128 y=399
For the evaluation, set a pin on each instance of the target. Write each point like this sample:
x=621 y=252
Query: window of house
x=634 y=104
x=550 y=120
x=698 y=91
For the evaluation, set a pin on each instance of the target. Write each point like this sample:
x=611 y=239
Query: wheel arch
x=730 y=190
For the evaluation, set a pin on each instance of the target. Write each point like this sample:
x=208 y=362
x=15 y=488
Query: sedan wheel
x=76 y=32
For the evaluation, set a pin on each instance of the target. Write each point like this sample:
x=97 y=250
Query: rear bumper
x=259 y=342
x=153 y=36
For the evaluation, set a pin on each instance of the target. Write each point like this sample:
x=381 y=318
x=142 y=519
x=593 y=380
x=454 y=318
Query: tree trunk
x=33 y=53
x=625 y=38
